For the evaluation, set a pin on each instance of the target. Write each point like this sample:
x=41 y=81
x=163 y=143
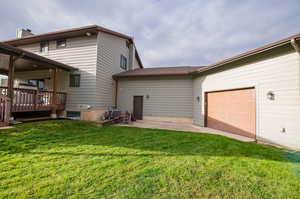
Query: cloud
x=167 y=33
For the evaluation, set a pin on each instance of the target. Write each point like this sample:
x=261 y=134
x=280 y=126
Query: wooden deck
x=29 y=100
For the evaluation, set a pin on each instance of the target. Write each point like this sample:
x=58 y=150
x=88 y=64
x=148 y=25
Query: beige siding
x=97 y=57
x=81 y=52
x=110 y=49
x=136 y=63
x=168 y=96
x=279 y=74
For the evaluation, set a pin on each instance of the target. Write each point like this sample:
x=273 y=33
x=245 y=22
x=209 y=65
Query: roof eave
x=151 y=75
x=65 y=33
x=52 y=35
x=251 y=53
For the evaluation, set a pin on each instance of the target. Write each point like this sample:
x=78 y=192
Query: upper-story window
x=62 y=43
x=123 y=62
x=44 y=46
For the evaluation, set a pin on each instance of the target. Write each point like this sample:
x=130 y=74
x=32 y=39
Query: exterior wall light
x=198 y=99
x=147 y=96
x=271 y=95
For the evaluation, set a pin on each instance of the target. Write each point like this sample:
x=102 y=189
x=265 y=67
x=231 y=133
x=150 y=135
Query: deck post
x=54 y=97
x=10 y=86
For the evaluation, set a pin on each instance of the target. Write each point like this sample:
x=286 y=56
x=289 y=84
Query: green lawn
x=71 y=159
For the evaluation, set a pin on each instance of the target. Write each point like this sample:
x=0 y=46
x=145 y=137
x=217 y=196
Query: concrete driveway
x=184 y=127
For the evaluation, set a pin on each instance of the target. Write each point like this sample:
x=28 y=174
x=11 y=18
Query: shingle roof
x=160 y=71
x=282 y=42
x=73 y=32
x=188 y=70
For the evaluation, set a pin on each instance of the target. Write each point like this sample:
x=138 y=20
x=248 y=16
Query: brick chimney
x=23 y=32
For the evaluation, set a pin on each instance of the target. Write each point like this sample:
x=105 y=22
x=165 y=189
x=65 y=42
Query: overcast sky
x=167 y=33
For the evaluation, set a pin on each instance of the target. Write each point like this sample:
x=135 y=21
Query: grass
x=71 y=159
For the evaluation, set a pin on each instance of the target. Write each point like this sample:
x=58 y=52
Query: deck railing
x=4 y=110
x=35 y=100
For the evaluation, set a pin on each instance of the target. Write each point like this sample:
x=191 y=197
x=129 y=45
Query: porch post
x=10 y=82
x=54 y=98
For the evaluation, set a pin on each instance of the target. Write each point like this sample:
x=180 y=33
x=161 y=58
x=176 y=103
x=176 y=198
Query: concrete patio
x=183 y=127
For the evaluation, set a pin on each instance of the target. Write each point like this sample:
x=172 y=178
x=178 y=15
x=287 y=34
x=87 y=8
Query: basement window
x=123 y=62
x=73 y=114
x=62 y=43
x=44 y=47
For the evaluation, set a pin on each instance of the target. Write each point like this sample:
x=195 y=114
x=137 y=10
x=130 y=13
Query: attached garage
x=231 y=111
x=232 y=95
x=252 y=112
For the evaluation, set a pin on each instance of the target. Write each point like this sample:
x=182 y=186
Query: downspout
x=295 y=45
x=116 y=94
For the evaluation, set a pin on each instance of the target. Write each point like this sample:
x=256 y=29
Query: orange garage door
x=232 y=111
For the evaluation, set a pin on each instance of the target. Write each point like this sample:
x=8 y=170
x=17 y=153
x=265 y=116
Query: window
x=4 y=82
x=32 y=82
x=62 y=43
x=75 y=80
x=44 y=47
x=73 y=114
x=39 y=83
x=123 y=62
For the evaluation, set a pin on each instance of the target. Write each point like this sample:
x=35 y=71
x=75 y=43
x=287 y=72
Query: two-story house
x=97 y=52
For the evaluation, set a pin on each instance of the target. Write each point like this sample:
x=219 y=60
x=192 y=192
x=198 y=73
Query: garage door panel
x=232 y=111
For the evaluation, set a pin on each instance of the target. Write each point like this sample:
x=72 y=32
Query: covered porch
x=32 y=83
